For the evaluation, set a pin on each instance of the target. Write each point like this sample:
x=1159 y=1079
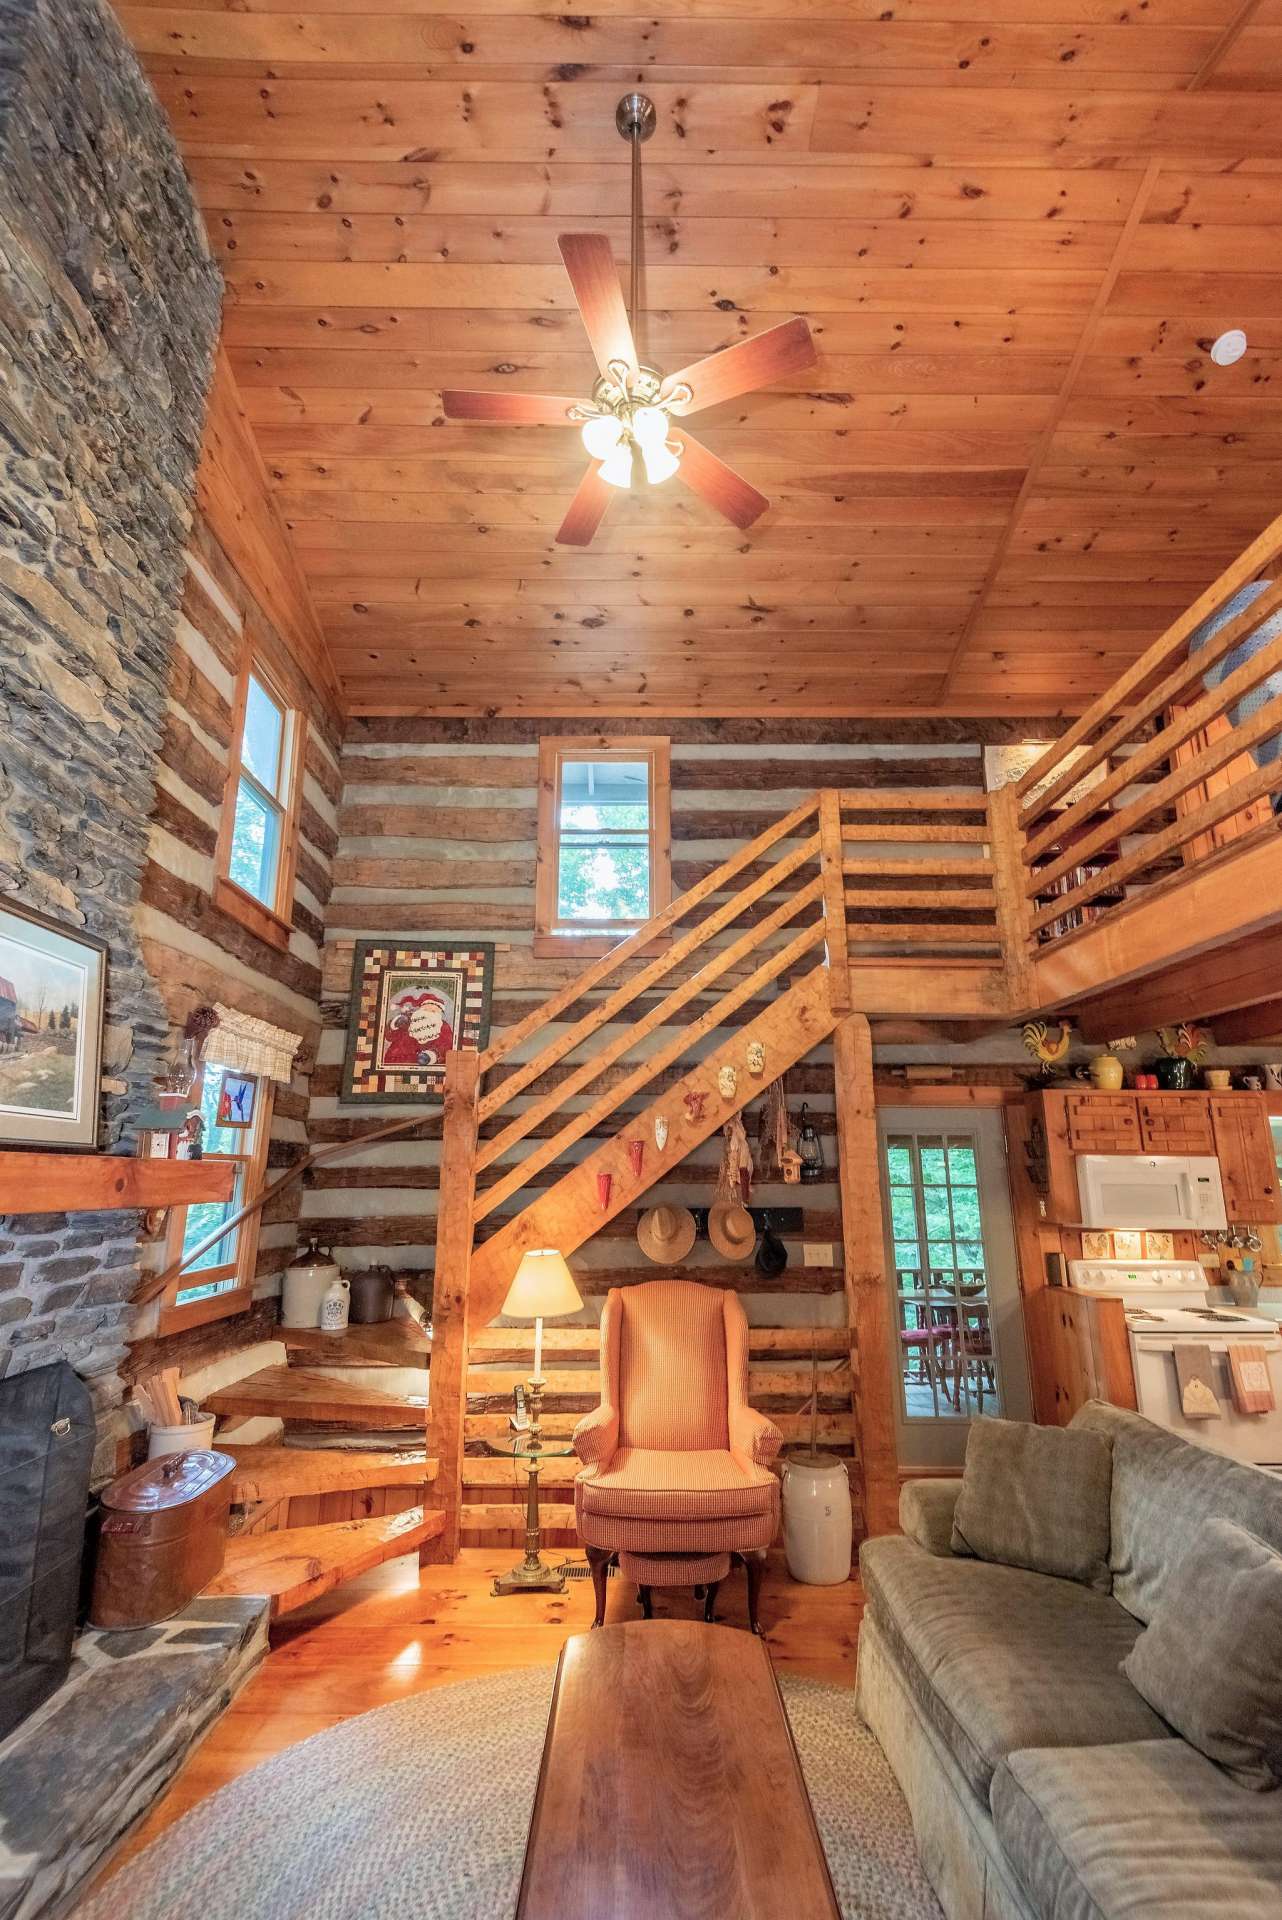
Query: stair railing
x=714 y=954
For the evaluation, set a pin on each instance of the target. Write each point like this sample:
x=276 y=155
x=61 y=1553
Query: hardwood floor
x=400 y=1629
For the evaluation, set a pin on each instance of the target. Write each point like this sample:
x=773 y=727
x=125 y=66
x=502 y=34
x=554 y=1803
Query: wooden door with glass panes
x=957 y=1334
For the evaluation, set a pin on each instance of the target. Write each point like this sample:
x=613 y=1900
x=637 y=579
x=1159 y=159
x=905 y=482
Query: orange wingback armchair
x=676 y=1475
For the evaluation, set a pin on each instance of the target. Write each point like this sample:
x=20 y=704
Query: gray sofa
x=1042 y=1787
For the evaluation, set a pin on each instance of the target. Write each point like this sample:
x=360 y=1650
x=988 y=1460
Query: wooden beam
x=447 y=1401
x=832 y=872
x=1260 y=1022
x=66 y=1182
x=1046 y=438
x=1232 y=33
x=863 y=1240
x=1232 y=979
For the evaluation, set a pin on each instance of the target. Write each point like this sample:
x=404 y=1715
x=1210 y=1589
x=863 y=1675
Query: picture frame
x=412 y=1002
x=237 y=1097
x=52 y=990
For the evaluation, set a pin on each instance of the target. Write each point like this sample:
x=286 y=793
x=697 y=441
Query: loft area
x=640 y=1029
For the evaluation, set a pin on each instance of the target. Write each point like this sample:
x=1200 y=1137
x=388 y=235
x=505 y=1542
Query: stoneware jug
x=817 y=1525
x=336 y=1305
x=1106 y=1072
x=372 y=1296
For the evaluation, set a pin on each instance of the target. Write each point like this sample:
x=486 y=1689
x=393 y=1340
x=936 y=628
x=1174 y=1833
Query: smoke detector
x=1229 y=347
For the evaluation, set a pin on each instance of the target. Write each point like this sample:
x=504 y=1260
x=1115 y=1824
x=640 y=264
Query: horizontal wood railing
x=1171 y=771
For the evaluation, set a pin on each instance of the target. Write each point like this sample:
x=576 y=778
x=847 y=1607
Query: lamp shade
x=543 y=1287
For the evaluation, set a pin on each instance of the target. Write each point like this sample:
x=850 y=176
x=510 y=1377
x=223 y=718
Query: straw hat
x=666 y=1234
x=731 y=1229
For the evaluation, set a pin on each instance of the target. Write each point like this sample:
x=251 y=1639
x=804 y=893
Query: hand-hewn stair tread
x=296 y=1564
x=389 y=1343
x=281 y=1473
x=309 y=1393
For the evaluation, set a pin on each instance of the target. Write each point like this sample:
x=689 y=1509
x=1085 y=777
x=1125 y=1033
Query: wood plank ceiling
x=1015 y=227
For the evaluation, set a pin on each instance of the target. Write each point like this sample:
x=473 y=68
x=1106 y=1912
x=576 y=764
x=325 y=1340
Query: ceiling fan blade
x=517 y=409
x=589 y=261
x=719 y=484
x=753 y=363
x=587 y=509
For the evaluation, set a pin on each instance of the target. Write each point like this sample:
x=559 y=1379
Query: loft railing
x=1166 y=775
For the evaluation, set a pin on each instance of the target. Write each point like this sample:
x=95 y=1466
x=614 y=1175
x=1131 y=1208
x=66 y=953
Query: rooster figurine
x=1047 y=1052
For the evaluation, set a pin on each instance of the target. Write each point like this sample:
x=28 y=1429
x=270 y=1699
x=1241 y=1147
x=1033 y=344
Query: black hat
x=772 y=1255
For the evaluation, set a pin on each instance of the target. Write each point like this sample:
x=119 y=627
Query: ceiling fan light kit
x=631 y=412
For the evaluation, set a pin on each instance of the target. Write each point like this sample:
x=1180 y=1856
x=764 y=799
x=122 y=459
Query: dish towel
x=1249 y=1372
x=1193 y=1370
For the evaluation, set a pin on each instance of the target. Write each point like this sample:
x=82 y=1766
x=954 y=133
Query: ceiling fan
x=633 y=406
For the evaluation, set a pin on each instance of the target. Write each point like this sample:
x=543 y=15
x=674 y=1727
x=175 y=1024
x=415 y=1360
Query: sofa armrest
x=596 y=1437
x=926 y=1513
x=752 y=1436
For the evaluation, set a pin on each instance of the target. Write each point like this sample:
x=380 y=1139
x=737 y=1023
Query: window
x=603 y=855
x=256 y=842
x=941 y=1276
x=219 y=1282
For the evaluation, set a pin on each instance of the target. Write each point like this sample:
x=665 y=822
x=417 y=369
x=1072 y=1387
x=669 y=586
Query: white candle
x=538 y=1347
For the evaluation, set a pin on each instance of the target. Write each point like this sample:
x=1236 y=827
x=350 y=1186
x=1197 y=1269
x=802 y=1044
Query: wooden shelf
x=296 y=1564
x=91 y=1182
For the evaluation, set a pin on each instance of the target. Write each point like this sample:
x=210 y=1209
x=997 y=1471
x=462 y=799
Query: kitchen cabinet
x=1244 y=1145
x=1232 y=1126
x=1102 y=1123
x=1175 y=1123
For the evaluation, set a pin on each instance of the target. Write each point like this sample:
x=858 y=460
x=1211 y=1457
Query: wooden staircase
x=852 y=903
x=315 y=1516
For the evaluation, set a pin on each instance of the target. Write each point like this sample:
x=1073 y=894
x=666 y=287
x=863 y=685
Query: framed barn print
x=411 y=1004
x=51 y=999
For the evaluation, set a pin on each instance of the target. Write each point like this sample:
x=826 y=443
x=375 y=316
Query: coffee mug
x=1217 y=1078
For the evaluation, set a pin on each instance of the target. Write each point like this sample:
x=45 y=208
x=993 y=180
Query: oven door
x=1252 y=1437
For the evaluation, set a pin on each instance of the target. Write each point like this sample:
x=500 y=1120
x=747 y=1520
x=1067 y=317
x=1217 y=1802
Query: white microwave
x=1150 y=1190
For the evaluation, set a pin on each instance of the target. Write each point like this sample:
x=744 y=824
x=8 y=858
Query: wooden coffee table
x=670 y=1787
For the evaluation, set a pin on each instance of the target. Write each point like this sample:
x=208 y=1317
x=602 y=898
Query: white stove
x=1169 y=1296
x=1168 y=1303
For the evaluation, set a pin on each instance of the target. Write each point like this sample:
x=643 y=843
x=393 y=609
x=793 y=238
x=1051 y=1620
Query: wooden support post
x=867 y=1303
x=1014 y=910
x=834 y=897
x=447 y=1381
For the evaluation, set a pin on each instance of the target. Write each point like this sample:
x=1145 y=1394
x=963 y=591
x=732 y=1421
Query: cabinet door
x=1247 y=1167
x=1102 y=1123
x=1176 y=1123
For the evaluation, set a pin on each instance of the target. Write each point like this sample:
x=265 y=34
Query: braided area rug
x=421 y=1808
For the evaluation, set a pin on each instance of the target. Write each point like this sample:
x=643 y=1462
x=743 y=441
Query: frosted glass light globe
x=601 y=435
x=650 y=426
x=617 y=467
x=660 y=463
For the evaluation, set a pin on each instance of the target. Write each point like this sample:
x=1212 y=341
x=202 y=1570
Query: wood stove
x=46 y=1451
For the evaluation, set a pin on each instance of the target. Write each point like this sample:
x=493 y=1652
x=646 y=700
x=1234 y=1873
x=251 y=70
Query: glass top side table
x=534 y=1575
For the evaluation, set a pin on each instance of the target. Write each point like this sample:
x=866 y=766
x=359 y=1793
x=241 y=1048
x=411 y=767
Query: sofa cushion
x=1037 y=1497
x=1149 y=1831
x=1210 y=1661
x=999 y=1658
x=1164 y=1489
x=644 y=1483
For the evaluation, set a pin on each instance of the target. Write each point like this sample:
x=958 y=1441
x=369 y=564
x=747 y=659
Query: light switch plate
x=815 y=1253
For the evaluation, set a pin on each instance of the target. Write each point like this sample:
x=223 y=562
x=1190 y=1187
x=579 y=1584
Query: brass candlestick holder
x=534 y=1575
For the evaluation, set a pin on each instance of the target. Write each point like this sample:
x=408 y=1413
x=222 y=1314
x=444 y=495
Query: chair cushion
x=1146 y=1831
x=1210 y=1660
x=999 y=1658
x=673 y=1383
x=645 y=1483
x=1164 y=1489
x=1037 y=1497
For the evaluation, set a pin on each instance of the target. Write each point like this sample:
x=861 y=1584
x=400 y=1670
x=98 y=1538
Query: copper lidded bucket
x=163 y=1537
